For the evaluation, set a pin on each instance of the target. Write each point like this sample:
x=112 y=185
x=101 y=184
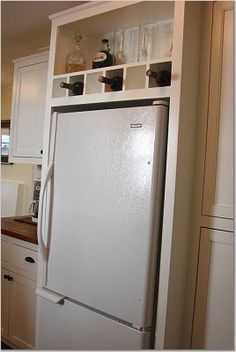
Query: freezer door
x=103 y=243
x=72 y=327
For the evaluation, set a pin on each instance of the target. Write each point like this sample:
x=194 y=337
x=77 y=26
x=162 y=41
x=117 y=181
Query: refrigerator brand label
x=135 y=125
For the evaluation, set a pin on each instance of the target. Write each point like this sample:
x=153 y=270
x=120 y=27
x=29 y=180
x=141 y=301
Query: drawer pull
x=29 y=260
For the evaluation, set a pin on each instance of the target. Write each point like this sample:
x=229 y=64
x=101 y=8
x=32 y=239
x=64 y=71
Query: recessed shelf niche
x=57 y=91
x=135 y=77
x=157 y=67
x=77 y=78
x=92 y=84
x=94 y=28
x=113 y=73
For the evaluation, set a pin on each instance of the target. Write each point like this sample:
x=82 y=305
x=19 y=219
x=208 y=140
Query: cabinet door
x=22 y=312
x=29 y=96
x=4 y=304
x=218 y=182
x=214 y=307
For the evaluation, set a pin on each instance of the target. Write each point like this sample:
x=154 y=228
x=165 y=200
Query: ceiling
x=25 y=30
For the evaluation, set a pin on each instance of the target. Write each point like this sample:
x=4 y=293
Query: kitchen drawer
x=24 y=261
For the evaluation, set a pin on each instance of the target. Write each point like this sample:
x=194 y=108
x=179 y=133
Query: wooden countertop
x=17 y=229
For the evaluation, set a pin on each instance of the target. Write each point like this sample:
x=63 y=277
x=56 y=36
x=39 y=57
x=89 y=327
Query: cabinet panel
x=22 y=312
x=28 y=111
x=4 y=252
x=4 y=304
x=214 y=308
x=218 y=180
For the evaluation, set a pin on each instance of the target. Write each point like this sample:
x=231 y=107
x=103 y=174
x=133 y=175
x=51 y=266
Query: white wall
x=6 y=94
x=22 y=173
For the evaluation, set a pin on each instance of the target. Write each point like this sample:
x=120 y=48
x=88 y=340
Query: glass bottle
x=75 y=88
x=119 y=57
x=145 y=42
x=115 y=83
x=103 y=58
x=75 y=61
x=162 y=78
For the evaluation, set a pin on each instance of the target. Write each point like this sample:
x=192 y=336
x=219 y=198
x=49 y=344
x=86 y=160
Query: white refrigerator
x=99 y=229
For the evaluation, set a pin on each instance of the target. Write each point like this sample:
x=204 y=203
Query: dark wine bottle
x=115 y=83
x=162 y=78
x=75 y=88
x=103 y=58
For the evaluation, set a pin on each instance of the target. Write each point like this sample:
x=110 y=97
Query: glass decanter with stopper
x=75 y=61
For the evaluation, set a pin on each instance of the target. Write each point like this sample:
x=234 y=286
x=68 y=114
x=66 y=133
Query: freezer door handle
x=42 y=247
x=51 y=296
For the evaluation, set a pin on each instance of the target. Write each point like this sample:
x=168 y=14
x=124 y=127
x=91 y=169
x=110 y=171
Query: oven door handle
x=42 y=246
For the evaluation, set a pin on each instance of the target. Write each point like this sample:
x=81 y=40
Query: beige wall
x=22 y=173
x=6 y=94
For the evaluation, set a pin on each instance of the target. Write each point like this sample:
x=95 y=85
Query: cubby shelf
x=135 y=82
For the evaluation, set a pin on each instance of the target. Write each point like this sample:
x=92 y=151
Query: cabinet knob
x=41 y=151
x=5 y=276
x=29 y=260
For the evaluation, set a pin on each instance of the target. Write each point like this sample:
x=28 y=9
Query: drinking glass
x=119 y=46
x=162 y=34
x=145 y=41
x=131 y=36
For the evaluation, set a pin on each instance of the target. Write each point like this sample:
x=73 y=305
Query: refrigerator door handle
x=50 y=295
x=42 y=247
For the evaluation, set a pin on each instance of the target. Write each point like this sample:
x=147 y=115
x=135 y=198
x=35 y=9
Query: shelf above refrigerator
x=135 y=31
x=135 y=83
x=134 y=94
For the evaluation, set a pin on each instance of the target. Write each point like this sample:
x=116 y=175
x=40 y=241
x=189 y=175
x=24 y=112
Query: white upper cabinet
x=28 y=108
x=218 y=179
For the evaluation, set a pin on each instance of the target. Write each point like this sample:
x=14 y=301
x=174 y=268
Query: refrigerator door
x=103 y=244
x=72 y=327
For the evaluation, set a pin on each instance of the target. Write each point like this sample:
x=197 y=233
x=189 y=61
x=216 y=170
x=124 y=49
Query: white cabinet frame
x=183 y=94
